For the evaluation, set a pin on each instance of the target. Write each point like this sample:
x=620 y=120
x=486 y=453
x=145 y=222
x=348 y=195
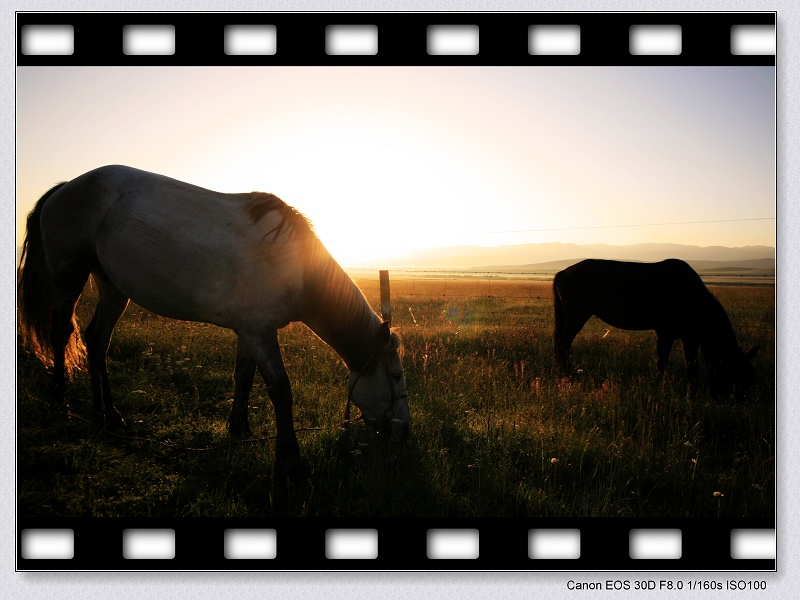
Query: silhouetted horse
x=247 y=262
x=666 y=296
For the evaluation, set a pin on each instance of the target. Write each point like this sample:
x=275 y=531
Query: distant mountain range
x=553 y=257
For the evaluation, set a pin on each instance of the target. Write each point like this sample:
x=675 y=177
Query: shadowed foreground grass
x=494 y=433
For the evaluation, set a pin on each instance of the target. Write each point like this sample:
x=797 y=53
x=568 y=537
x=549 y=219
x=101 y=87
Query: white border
x=409 y=586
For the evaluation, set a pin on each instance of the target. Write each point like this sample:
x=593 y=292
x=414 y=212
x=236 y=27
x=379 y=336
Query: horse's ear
x=395 y=341
x=384 y=335
x=751 y=354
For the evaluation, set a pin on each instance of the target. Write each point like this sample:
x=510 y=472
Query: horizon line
x=621 y=226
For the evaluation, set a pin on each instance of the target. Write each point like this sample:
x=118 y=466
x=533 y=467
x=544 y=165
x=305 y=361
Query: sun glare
x=368 y=198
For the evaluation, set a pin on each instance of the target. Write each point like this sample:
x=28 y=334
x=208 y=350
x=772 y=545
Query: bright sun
x=367 y=199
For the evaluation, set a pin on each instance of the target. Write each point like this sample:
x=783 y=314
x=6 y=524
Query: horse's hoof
x=61 y=411
x=114 y=423
x=296 y=475
x=240 y=431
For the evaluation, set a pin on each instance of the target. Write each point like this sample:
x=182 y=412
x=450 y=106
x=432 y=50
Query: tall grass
x=495 y=431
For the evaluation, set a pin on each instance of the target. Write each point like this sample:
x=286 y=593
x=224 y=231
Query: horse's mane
x=258 y=204
x=335 y=299
x=331 y=295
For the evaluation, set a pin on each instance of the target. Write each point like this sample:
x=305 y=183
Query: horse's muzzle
x=391 y=427
x=396 y=428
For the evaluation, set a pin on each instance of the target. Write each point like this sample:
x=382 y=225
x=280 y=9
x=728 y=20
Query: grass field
x=495 y=432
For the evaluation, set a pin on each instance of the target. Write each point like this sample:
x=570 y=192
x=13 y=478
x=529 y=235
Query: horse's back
x=631 y=295
x=72 y=215
x=178 y=249
x=671 y=271
x=666 y=272
x=81 y=205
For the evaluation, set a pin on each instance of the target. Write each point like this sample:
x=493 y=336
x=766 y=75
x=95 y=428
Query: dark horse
x=666 y=296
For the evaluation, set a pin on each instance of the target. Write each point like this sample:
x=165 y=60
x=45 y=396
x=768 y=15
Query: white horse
x=247 y=262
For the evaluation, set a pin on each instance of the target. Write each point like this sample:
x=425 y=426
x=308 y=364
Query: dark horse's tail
x=558 y=331
x=36 y=298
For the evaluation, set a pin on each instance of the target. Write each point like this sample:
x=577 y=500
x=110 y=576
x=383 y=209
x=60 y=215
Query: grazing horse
x=248 y=262
x=666 y=296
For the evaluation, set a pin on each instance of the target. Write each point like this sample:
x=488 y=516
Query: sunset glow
x=391 y=160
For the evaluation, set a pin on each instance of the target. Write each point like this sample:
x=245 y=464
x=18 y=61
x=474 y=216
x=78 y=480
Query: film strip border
x=392 y=544
x=399 y=39
x=396 y=39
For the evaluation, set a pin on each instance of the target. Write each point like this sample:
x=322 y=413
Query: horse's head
x=745 y=374
x=737 y=375
x=379 y=388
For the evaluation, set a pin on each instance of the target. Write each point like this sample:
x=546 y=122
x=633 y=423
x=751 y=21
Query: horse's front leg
x=566 y=329
x=243 y=374
x=664 y=344
x=266 y=352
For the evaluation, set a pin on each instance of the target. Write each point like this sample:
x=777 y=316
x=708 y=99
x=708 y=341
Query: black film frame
x=199 y=41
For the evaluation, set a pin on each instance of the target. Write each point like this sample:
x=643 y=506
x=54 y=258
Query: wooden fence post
x=386 y=299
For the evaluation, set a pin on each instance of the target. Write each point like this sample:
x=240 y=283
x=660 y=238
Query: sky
x=385 y=161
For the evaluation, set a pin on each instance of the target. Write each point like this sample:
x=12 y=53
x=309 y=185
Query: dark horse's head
x=734 y=373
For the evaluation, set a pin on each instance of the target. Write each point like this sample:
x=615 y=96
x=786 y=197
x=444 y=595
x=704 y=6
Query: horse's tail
x=36 y=297
x=558 y=330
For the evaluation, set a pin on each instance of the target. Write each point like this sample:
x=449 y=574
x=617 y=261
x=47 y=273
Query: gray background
x=463 y=586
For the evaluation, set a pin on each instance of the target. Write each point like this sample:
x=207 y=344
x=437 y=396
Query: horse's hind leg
x=663 y=347
x=67 y=352
x=110 y=306
x=243 y=375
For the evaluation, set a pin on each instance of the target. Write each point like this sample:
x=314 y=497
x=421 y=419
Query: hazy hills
x=556 y=256
x=551 y=258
